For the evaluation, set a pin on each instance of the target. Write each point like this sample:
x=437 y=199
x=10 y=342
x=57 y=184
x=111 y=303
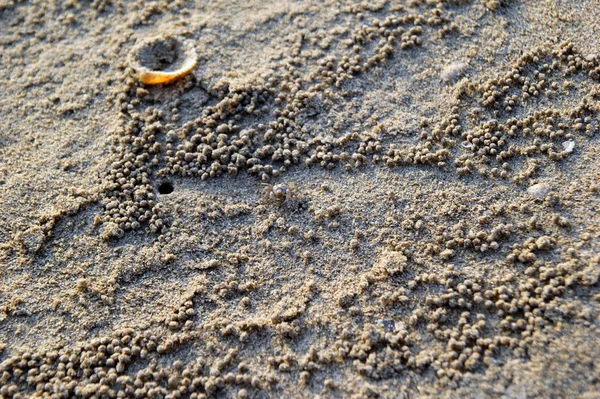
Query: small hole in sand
x=165 y=187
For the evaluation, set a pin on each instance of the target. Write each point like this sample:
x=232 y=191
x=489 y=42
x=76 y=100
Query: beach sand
x=343 y=199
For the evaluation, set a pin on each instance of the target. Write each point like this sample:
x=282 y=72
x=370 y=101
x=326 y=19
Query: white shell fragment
x=453 y=71
x=539 y=190
x=568 y=146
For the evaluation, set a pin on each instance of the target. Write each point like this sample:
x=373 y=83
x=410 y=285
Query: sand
x=395 y=199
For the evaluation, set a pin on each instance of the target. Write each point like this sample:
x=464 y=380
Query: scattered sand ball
x=279 y=192
x=346 y=299
x=111 y=230
x=493 y=5
x=591 y=274
x=538 y=190
x=392 y=262
x=82 y=284
x=206 y=265
x=162 y=60
x=453 y=72
x=568 y=146
x=544 y=243
x=31 y=239
x=447 y=254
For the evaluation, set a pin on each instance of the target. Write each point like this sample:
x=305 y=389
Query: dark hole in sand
x=165 y=187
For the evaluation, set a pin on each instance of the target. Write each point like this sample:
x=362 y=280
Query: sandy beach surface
x=334 y=199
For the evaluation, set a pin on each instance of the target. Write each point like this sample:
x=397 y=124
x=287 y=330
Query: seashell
x=539 y=190
x=453 y=71
x=568 y=146
x=162 y=59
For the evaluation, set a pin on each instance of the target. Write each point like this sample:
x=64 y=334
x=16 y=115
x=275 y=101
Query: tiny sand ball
x=453 y=72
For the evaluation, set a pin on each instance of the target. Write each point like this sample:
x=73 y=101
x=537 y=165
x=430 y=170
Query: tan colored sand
x=369 y=199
